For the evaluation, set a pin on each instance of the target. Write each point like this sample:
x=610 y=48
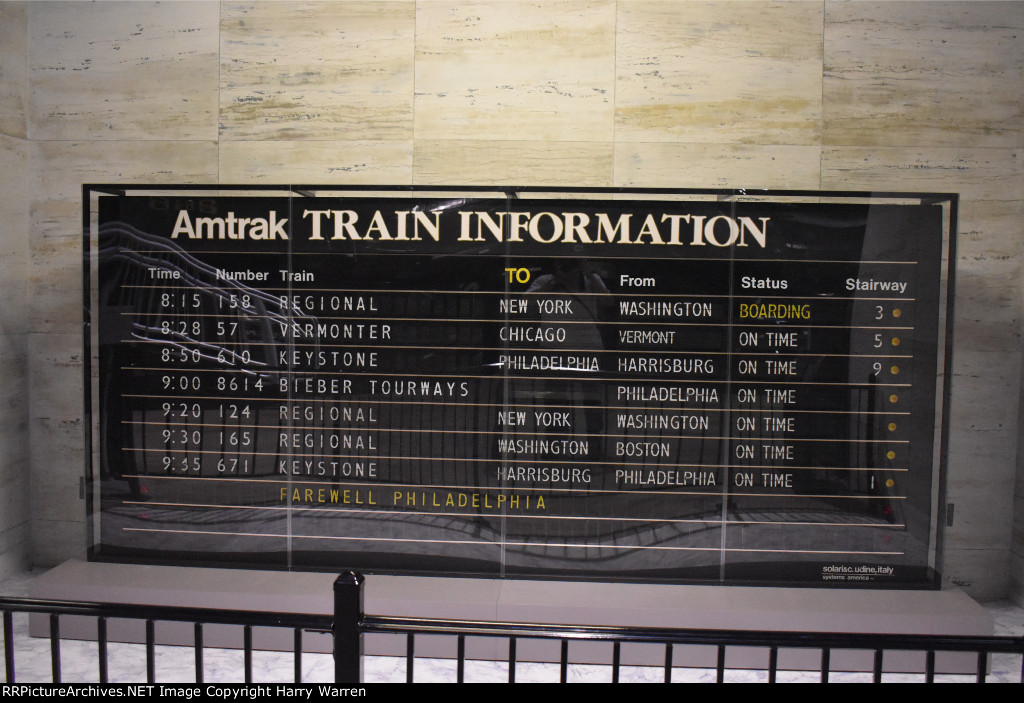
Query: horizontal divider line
x=510 y=405
x=377 y=320
x=502 y=433
x=778 y=353
x=369 y=512
x=509 y=377
x=503 y=544
x=414 y=486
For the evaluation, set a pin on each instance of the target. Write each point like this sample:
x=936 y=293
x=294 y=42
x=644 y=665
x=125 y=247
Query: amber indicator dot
x=896 y=312
x=895 y=341
x=889 y=483
x=891 y=455
x=895 y=370
x=892 y=426
x=893 y=398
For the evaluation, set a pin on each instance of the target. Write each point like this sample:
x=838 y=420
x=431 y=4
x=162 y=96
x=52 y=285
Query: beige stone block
x=993 y=445
x=515 y=71
x=980 y=402
x=317 y=70
x=14 y=392
x=988 y=238
x=1017 y=579
x=974 y=526
x=976 y=174
x=14 y=503
x=966 y=449
x=983 y=574
x=123 y=70
x=57 y=492
x=983 y=513
x=1018 y=527
x=469 y=162
x=341 y=163
x=1020 y=449
x=58 y=443
x=56 y=428
x=652 y=164
x=14 y=547
x=14 y=234
x=55 y=376
x=57 y=540
x=987 y=312
x=988 y=182
x=983 y=431
x=912 y=73
x=733 y=72
x=59 y=169
x=56 y=283
x=1018 y=513
x=13 y=68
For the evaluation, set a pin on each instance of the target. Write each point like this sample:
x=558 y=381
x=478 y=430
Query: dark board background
x=375 y=409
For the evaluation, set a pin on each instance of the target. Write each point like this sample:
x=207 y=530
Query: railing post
x=348 y=640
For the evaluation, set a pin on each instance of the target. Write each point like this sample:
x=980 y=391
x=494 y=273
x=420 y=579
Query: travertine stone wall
x=792 y=94
x=119 y=92
x=14 y=465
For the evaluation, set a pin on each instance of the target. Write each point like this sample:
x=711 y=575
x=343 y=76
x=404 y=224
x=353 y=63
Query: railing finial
x=348 y=615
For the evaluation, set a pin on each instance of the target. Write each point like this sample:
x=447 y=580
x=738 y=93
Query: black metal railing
x=151 y=614
x=720 y=640
x=349 y=624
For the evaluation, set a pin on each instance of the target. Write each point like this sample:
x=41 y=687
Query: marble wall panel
x=347 y=162
x=13 y=68
x=14 y=386
x=988 y=311
x=980 y=501
x=14 y=390
x=56 y=493
x=55 y=540
x=990 y=250
x=59 y=169
x=317 y=70
x=14 y=503
x=56 y=429
x=123 y=70
x=983 y=417
x=911 y=73
x=519 y=71
x=988 y=241
x=976 y=174
x=55 y=342
x=14 y=451
x=470 y=162
x=983 y=573
x=732 y=72
x=14 y=546
x=1016 y=589
x=984 y=428
x=1017 y=545
x=1018 y=530
x=14 y=234
x=654 y=164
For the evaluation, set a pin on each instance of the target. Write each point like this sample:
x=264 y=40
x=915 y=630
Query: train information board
x=658 y=386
